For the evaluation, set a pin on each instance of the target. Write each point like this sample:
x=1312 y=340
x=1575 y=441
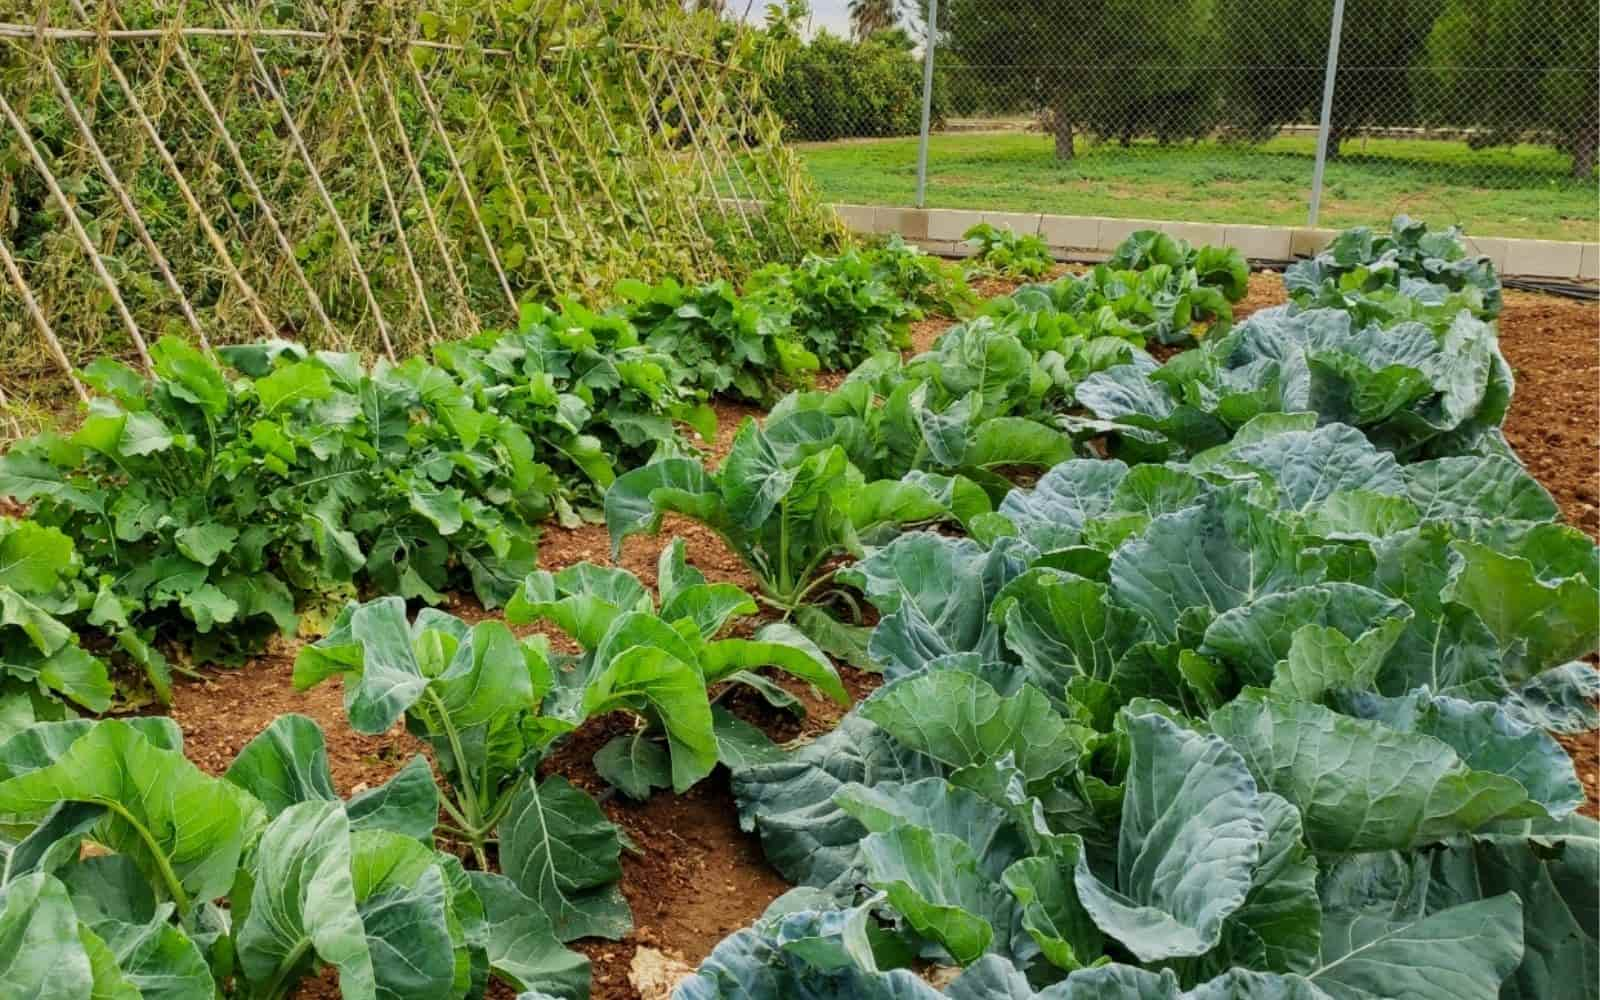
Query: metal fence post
x=1327 y=112
x=927 y=101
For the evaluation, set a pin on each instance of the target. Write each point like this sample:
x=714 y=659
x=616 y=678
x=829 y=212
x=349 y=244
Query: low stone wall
x=940 y=229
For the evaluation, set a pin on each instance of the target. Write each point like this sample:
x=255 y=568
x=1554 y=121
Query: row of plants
x=374 y=885
x=230 y=497
x=362 y=885
x=1254 y=701
x=1320 y=657
x=942 y=436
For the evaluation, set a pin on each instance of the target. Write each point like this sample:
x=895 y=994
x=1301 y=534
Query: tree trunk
x=1336 y=137
x=1585 y=152
x=1061 y=127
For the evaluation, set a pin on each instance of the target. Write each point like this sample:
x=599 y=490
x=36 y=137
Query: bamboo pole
x=32 y=306
x=77 y=230
x=249 y=180
x=128 y=207
x=466 y=191
x=388 y=197
x=445 y=253
x=327 y=201
x=186 y=192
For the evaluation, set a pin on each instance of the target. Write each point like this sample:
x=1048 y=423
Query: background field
x=1507 y=191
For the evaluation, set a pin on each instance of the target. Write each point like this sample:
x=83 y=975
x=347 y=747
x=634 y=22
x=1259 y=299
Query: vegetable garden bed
x=691 y=876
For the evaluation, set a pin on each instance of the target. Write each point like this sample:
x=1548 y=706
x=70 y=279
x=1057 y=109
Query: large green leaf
x=522 y=947
x=777 y=645
x=790 y=802
x=642 y=663
x=33 y=557
x=636 y=501
x=303 y=905
x=1051 y=910
x=959 y=720
x=1192 y=835
x=1461 y=953
x=560 y=850
x=185 y=830
x=39 y=939
x=1360 y=785
x=1486 y=739
x=287 y=763
x=158 y=959
x=1062 y=626
x=1254 y=638
x=1222 y=555
x=1540 y=623
x=933 y=880
x=371 y=645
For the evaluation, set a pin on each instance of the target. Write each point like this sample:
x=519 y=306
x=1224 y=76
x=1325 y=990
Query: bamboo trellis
x=394 y=173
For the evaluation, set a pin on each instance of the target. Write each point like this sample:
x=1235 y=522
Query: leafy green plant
x=658 y=662
x=1129 y=734
x=475 y=693
x=839 y=308
x=1007 y=252
x=40 y=654
x=976 y=407
x=1418 y=391
x=211 y=507
x=1154 y=287
x=720 y=341
x=928 y=282
x=786 y=501
x=1409 y=258
x=1151 y=661
x=309 y=879
x=593 y=398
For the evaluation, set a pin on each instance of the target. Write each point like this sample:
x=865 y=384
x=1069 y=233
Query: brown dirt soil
x=695 y=876
x=1266 y=289
x=1584 y=749
x=1553 y=345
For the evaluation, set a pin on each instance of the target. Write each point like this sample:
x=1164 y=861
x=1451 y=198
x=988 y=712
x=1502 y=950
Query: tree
x=1117 y=69
x=1276 y=52
x=868 y=17
x=1546 y=85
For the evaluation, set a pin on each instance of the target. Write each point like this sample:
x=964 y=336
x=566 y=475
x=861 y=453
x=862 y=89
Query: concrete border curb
x=940 y=229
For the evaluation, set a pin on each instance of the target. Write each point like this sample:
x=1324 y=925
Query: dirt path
x=695 y=876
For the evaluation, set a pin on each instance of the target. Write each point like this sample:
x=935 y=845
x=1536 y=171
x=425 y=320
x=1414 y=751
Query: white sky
x=830 y=14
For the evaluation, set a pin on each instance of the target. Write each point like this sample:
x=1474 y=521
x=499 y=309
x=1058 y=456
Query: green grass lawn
x=1515 y=191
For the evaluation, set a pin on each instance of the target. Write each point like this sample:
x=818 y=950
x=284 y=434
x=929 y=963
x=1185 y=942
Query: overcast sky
x=830 y=14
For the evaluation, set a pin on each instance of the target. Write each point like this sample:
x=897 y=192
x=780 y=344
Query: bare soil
x=1553 y=345
x=695 y=876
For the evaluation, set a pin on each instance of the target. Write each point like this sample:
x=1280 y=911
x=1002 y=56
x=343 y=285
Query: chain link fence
x=1486 y=114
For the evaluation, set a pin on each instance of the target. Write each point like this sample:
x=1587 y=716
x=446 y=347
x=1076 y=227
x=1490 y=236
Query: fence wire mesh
x=366 y=175
x=1483 y=113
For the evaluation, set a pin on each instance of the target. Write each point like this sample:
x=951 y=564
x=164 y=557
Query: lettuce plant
x=309 y=879
x=657 y=662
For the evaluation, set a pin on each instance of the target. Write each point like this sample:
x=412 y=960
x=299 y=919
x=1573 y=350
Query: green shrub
x=836 y=89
